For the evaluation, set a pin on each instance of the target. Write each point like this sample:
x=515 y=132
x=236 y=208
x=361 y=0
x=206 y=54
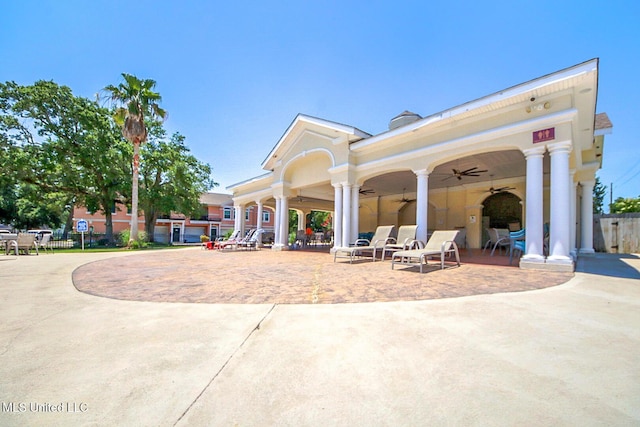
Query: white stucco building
x=532 y=150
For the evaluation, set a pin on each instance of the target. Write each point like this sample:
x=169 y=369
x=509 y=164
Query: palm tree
x=136 y=99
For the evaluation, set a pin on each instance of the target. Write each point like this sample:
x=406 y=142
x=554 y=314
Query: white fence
x=617 y=233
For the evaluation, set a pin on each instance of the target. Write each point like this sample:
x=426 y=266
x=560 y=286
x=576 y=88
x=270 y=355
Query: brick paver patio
x=295 y=277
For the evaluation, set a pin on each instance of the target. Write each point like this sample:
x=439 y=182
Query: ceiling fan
x=365 y=191
x=299 y=199
x=467 y=172
x=493 y=190
x=404 y=199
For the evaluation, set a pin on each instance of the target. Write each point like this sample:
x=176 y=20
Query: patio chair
x=498 y=239
x=378 y=241
x=44 y=242
x=441 y=242
x=461 y=238
x=516 y=243
x=406 y=235
x=302 y=238
x=25 y=242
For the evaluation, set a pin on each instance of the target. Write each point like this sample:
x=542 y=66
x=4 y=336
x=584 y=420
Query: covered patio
x=540 y=143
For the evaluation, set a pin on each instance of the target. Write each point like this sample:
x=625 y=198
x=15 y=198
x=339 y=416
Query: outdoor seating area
x=249 y=242
x=18 y=243
x=404 y=248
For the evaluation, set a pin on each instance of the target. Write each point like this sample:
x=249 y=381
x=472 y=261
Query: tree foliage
x=58 y=150
x=65 y=151
x=625 y=205
x=599 y=193
x=136 y=101
x=172 y=180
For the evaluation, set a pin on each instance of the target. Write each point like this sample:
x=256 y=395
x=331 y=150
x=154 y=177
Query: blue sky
x=233 y=75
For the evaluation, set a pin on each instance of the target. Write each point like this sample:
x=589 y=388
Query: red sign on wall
x=544 y=135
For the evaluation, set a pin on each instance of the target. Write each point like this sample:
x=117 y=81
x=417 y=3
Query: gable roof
x=284 y=142
x=216 y=199
x=602 y=123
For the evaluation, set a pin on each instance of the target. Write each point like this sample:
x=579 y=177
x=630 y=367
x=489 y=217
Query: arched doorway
x=501 y=209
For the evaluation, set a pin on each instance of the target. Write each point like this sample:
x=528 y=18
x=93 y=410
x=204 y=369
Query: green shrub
x=140 y=242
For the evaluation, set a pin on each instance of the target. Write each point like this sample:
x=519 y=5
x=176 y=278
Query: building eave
x=513 y=95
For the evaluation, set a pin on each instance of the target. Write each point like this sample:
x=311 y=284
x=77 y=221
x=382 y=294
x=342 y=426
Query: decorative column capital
x=560 y=147
x=421 y=172
x=534 y=152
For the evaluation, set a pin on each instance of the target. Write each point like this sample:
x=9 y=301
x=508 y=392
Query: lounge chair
x=230 y=242
x=441 y=242
x=378 y=241
x=406 y=235
x=251 y=240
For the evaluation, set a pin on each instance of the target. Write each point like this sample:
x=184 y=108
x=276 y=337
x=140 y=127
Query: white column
x=534 y=205
x=573 y=199
x=259 y=222
x=346 y=214
x=301 y=217
x=337 y=217
x=422 y=204
x=239 y=218
x=560 y=208
x=276 y=220
x=355 y=212
x=586 y=223
x=284 y=221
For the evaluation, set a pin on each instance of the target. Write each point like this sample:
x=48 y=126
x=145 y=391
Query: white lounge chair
x=380 y=238
x=230 y=242
x=441 y=242
x=406 y=235
x=251 y=240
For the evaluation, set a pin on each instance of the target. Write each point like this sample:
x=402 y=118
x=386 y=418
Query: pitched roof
x=216 y=199
x=602 y=121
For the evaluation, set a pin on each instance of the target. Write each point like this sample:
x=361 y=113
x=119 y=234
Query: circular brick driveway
x=293 y=277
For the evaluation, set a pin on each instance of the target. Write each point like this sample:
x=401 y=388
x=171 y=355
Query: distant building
x=217 y=217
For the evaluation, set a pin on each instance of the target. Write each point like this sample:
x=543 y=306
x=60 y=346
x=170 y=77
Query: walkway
x=564 y=355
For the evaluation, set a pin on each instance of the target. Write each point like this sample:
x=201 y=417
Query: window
x=228 y=213
x=246 y=214
x=266 y=216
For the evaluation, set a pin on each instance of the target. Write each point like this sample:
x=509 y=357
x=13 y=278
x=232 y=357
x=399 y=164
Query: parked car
x=40 y=233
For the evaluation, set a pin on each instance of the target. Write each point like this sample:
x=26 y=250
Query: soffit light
x=538 y=107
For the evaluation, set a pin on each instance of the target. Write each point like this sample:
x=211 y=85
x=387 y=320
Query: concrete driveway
x=565 y=355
